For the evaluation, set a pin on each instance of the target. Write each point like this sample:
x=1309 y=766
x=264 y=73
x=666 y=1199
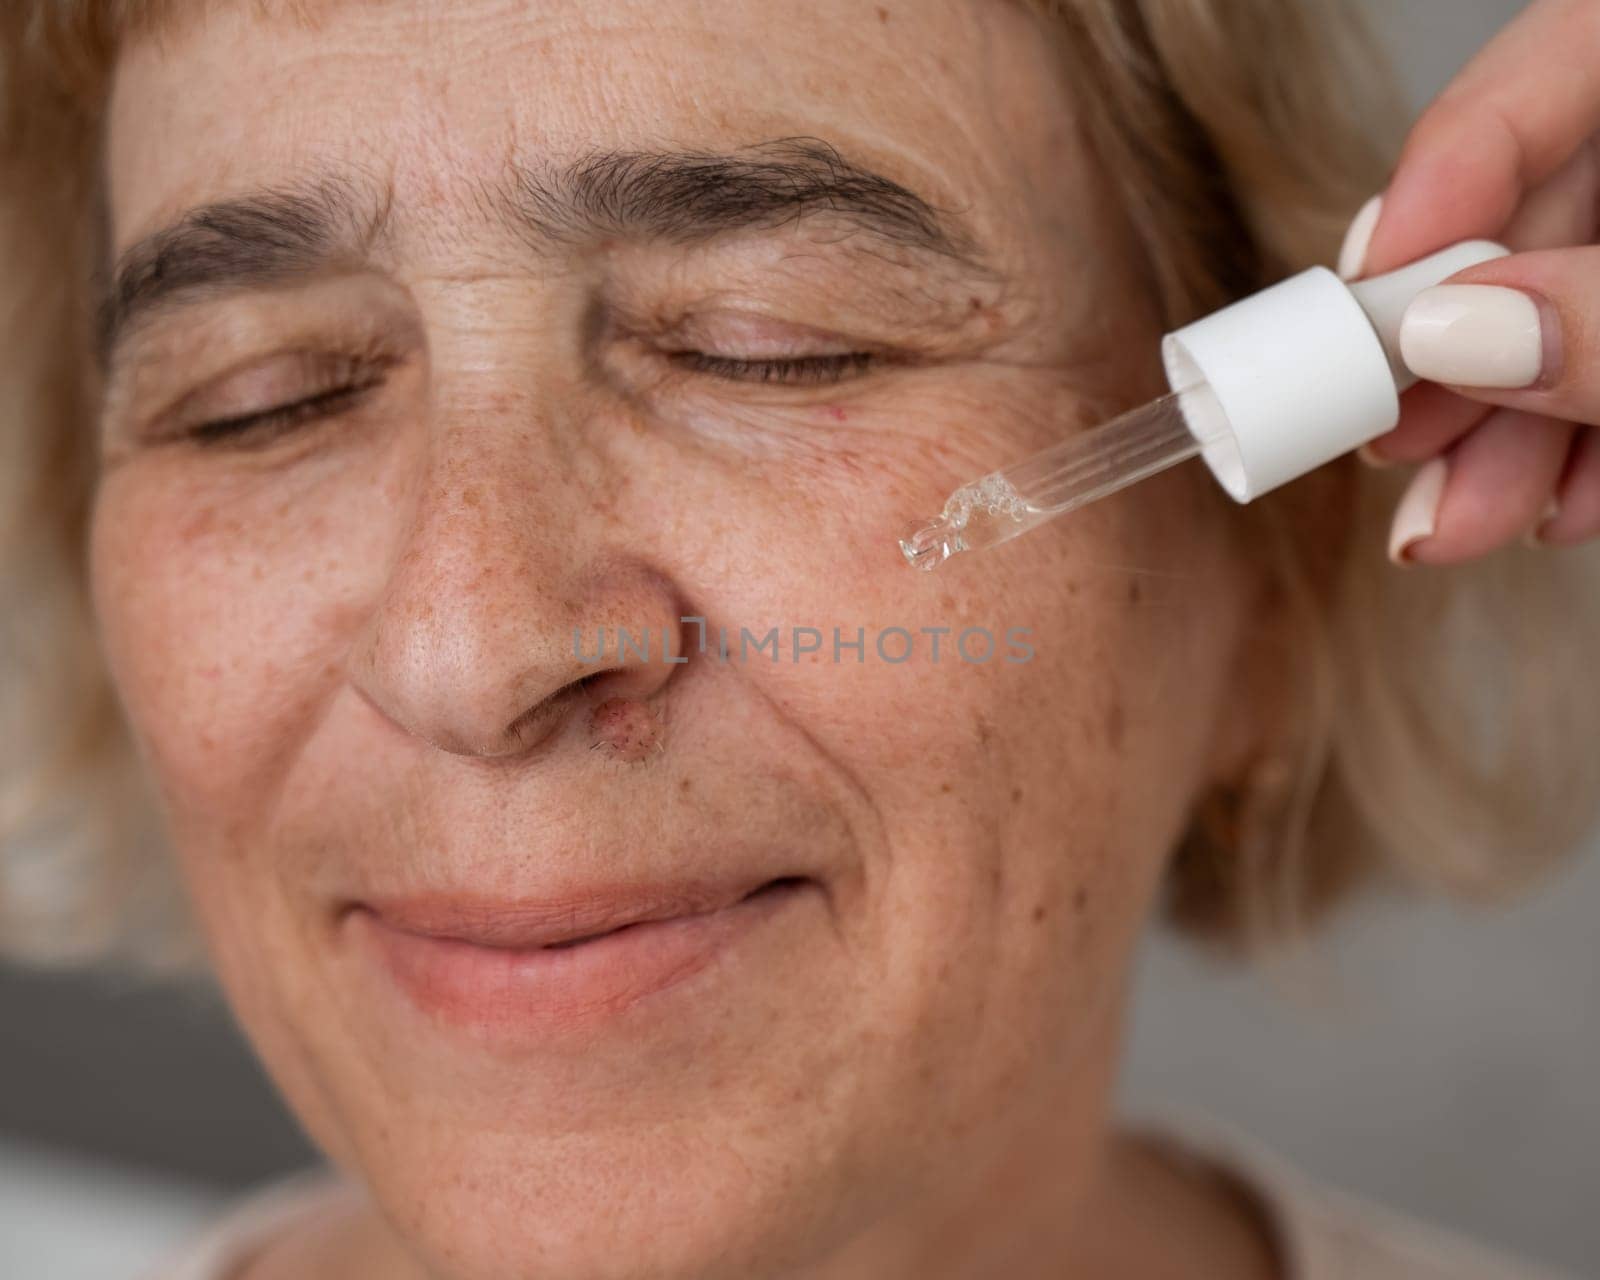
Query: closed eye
x=261 y=427
x=799 y=370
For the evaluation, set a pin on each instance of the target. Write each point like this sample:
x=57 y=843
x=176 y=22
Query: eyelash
x=267 y=424
x=797 y=371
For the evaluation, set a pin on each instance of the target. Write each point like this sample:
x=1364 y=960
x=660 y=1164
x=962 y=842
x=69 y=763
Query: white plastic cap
x=1301 y=372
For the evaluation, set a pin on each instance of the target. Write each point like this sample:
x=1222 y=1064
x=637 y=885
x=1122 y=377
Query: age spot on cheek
x=626 y=729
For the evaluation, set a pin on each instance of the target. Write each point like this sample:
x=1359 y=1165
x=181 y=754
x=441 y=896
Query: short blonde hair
x=1445 y=718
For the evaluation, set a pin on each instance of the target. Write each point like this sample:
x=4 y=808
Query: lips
x=558 y=921
x=552 y=964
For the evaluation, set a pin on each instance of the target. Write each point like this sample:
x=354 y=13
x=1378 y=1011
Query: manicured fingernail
x=1535 y=536
x=1418 y=511
x=1474 y=335
x=1372 y=457
x=1357 y=240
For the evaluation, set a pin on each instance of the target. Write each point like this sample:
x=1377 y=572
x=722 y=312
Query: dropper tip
x=930 y=546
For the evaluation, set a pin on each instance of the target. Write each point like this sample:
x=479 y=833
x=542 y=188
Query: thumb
x=1522 y=332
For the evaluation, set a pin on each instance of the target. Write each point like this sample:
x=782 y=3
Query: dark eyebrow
x=686 y=196
x=260 y=239
x=271 y=236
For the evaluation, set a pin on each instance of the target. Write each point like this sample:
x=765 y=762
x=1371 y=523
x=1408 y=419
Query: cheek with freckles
x=225 y=603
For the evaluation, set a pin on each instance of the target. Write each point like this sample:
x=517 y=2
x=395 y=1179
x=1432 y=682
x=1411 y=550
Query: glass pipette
x=1064 y=477
x=1264 y=391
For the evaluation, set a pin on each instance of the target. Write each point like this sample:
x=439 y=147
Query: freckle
x=685 y=785
x=985 y=732
x=975 y=303
x=1080 y=899
x=883 y=14
x=1016 y=794
x=256 y=574
x=944 y=787
x=202 y=522
x=1114 y=724
x=1072 y=587
x=1038 y=913
x=1135 y=592
x=469 y=497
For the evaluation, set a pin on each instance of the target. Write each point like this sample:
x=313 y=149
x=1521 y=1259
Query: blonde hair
x=1444 y=718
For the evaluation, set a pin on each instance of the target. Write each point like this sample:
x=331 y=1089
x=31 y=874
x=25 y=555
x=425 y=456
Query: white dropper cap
x=1302 y=372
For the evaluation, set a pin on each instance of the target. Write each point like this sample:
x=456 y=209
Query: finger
x=1558 y=213
x=1513 y=117
x=1577 y=516
x=1432 y=418
x=1563 y=211
x=1493 y=487
x=1522 y=332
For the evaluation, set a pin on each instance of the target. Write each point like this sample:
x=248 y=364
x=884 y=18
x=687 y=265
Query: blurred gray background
x=1442 y=1062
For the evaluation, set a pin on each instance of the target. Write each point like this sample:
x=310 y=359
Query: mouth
x=554 y=964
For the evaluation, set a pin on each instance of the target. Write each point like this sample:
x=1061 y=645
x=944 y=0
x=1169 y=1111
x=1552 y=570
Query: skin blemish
x=1039 y=913
x=1135 y=592
x=1114 y=725
x=1080 y=900
x=627 y=729
x=837 y=413
x=198 y=525
x=883 y=14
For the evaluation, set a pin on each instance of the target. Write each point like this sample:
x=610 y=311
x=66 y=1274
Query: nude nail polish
x=1474 y=335
x=1535 y=536
x=1417 y=514
x=1372 y=458
x=1358 y=239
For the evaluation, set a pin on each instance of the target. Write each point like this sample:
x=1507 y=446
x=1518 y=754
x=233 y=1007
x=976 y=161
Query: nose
x=502 y=617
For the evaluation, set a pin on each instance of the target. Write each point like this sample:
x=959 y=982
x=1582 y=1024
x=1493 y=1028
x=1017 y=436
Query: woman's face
x=622 y=316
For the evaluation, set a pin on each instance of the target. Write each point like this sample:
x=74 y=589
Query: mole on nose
x=628 y=729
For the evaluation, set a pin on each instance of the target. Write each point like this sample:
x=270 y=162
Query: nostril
x=535 y=725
